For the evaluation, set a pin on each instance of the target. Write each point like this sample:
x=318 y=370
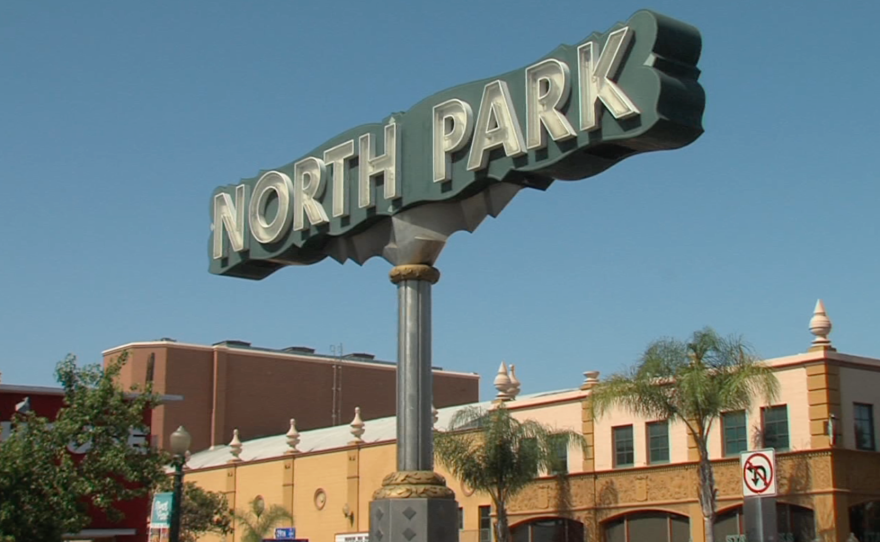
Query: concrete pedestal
x=414 y=520
x=414 y=506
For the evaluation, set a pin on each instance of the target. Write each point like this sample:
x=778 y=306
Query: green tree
x=45 y=490
x=201 y=512
x=493 y=452
x=259 y=522
x=693 y=382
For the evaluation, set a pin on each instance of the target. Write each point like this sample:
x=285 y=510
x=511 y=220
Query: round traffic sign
x=758 y=472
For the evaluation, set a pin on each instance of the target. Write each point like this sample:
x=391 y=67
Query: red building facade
x=46 y=402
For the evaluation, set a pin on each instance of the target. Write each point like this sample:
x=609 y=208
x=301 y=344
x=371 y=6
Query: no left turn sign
x=758 y=473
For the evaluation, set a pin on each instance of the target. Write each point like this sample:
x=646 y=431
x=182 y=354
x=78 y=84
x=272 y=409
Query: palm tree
x=493 y=452
x=258 y=522
x=694 y=382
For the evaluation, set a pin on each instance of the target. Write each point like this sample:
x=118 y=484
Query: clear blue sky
x=118 y=119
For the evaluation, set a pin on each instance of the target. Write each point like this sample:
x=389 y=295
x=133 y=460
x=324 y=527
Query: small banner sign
x=160 y=517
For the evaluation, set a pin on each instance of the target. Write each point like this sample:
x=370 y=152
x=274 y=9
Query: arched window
x=548 y=530
x=793 y=523
x=728 y=524
x=864 y=521
x=653 y=526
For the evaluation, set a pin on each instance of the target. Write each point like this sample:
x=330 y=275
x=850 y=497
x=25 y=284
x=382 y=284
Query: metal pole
x=414 y=503
x=415 y=447
x=174 y=531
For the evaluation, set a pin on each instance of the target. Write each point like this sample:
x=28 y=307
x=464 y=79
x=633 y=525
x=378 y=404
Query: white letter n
x=229 y=216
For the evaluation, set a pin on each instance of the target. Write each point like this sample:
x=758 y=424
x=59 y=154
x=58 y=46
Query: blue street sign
x=285 y=533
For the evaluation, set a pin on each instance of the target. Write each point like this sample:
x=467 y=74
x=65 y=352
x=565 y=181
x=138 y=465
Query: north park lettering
x=570 y=115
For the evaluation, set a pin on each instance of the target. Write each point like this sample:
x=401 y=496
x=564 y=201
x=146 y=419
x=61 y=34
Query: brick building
x=269 y=387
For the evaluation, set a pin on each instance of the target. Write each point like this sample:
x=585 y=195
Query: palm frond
x=698 y=379
x=257 y=524
x=493 y=452
x=640 y=393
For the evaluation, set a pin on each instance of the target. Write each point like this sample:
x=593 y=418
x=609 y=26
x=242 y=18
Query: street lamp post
x=180 y=441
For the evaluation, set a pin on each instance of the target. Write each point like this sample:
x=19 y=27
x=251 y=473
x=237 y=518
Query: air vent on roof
x=167 y=340
x=360 y=355
x=299 y=350
x=229 y=342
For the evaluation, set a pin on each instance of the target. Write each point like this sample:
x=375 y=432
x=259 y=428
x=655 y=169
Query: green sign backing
x=461 y=154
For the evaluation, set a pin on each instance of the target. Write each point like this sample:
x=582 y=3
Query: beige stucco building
x=636 y=481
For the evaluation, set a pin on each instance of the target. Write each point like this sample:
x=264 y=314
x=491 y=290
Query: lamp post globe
x=180 y=441
x=259 y=505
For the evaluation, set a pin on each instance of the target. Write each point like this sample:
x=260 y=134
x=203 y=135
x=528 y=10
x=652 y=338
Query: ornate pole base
x=414 y=506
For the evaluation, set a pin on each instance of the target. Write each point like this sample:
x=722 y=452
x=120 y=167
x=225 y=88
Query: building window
x=735 y=434
x=460 y=518
x=485 y=524
x=560 y=457
x=658 y=442
x=793 y=524
x=624 y=452
x=775 y=422
x=864 y=420
x=548 y=530
x=529 y=447
x=645 y=527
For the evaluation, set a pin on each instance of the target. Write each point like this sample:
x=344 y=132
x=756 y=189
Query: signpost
x=399 y=188
x=759 y=494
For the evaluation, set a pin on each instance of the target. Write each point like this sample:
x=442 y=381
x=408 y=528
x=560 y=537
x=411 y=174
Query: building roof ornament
x=502 y=383
x=357 y=426
x=292 y=437
x=235 y=447
x=515 y=384
x=820 y=326
x=591 y=378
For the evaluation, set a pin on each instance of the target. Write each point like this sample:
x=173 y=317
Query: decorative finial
x=591 y=378
x=502 y=383
x=235 y=447
x=515 y=384
x=820 y=326
x=435 y=415
x=292 y=437
x=357 y=426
